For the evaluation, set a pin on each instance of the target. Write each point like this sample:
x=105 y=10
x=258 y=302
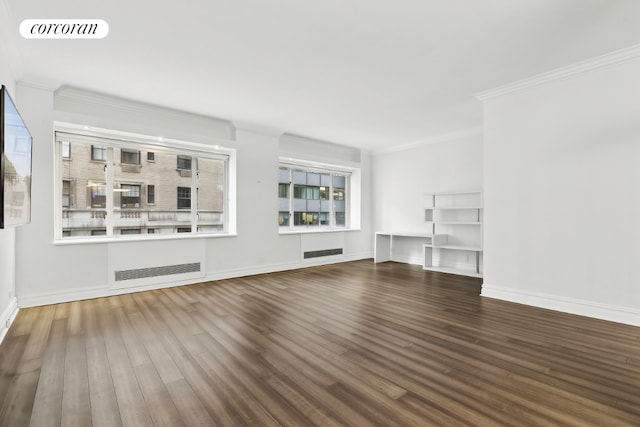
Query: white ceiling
x=368 y=73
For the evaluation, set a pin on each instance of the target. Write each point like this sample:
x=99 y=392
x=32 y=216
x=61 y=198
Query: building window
x=130 y=231
x=97 y=194
x=151 y=156
x=66 y=150
x=66 y=193
x=130 y=157
x=112 y=204
x=312 y=196
x=283 y=190
x=130 y=197
x=184 y=197
x=151 y=194
x=184 y=162
x=98 y=153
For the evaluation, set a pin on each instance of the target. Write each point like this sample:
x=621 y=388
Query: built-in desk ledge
x=315 y=230
x=139 y=238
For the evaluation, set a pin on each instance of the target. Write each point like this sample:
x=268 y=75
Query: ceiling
x=367 y=73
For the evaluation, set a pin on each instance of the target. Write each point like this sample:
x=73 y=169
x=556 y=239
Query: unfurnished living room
x=334 y=213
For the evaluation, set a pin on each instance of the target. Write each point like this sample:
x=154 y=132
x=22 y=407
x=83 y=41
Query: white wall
x=403 y=177
x=562 y=194
x=68 y=272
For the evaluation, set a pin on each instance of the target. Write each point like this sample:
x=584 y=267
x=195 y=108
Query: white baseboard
x=76 y=295
x=7 y=317
x=568 y=305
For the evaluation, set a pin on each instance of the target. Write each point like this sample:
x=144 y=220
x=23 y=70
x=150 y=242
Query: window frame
x=112 y=141
x=351 y=198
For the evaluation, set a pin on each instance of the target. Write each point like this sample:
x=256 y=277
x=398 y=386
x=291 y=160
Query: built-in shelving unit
x=457 y=216
x=452 y=242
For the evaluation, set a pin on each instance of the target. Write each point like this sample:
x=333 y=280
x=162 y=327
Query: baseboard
x=568 y=305
x=76 y=295
x=7 y=317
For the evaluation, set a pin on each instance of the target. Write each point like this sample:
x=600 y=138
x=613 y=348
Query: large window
x=312 y=197
x=112 y=201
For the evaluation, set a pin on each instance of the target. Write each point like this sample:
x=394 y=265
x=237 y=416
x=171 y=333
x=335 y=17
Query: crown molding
x=611 y=58
x=463 y=133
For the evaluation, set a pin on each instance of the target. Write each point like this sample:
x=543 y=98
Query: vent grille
x=165 y=270
x=324 y=252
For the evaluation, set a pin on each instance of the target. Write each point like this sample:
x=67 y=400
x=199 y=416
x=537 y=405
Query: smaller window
x=283 y=190
x=184 y=162
x=66 y=194
x=283 y=219
x=184 y=229
x=130 y=196
x=151 y=231
x=98 y=153
x=151 y=194
x=97 y=194
x=184 y=197
x=130 y=231
x=130 y=157
x=151 y=156
x=99 y=232
x=66 y=150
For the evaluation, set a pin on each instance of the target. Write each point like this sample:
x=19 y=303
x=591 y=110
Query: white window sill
x=137 y=238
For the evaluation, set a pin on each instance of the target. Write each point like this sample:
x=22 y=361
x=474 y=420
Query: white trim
x=62 y=296
x=568 y=305
x=82 y=96
x=611 y=58
x=7 y=317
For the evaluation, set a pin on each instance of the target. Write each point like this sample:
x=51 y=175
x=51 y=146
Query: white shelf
x=457 y=214
x=454 y=207
x=456 y=247
x=456 y=222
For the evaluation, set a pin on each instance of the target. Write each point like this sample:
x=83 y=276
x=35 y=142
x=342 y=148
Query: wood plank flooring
x=354 y=344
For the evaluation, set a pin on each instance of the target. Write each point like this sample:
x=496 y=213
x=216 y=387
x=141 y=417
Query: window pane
x=98 y=153
x=211 y=194
x=283 y=219
x=131 y=157
x=66 y=149
x=184 y=162
x=151 y=194
x=129 y=196
x=318 y=198
x=184 y=198
x=150 y=199
x=283 y=190
x=66 y=194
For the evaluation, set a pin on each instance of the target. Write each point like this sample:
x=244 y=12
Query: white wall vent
x=165 y=270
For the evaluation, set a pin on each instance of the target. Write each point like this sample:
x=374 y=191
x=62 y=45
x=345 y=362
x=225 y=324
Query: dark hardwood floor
x=353 y=344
